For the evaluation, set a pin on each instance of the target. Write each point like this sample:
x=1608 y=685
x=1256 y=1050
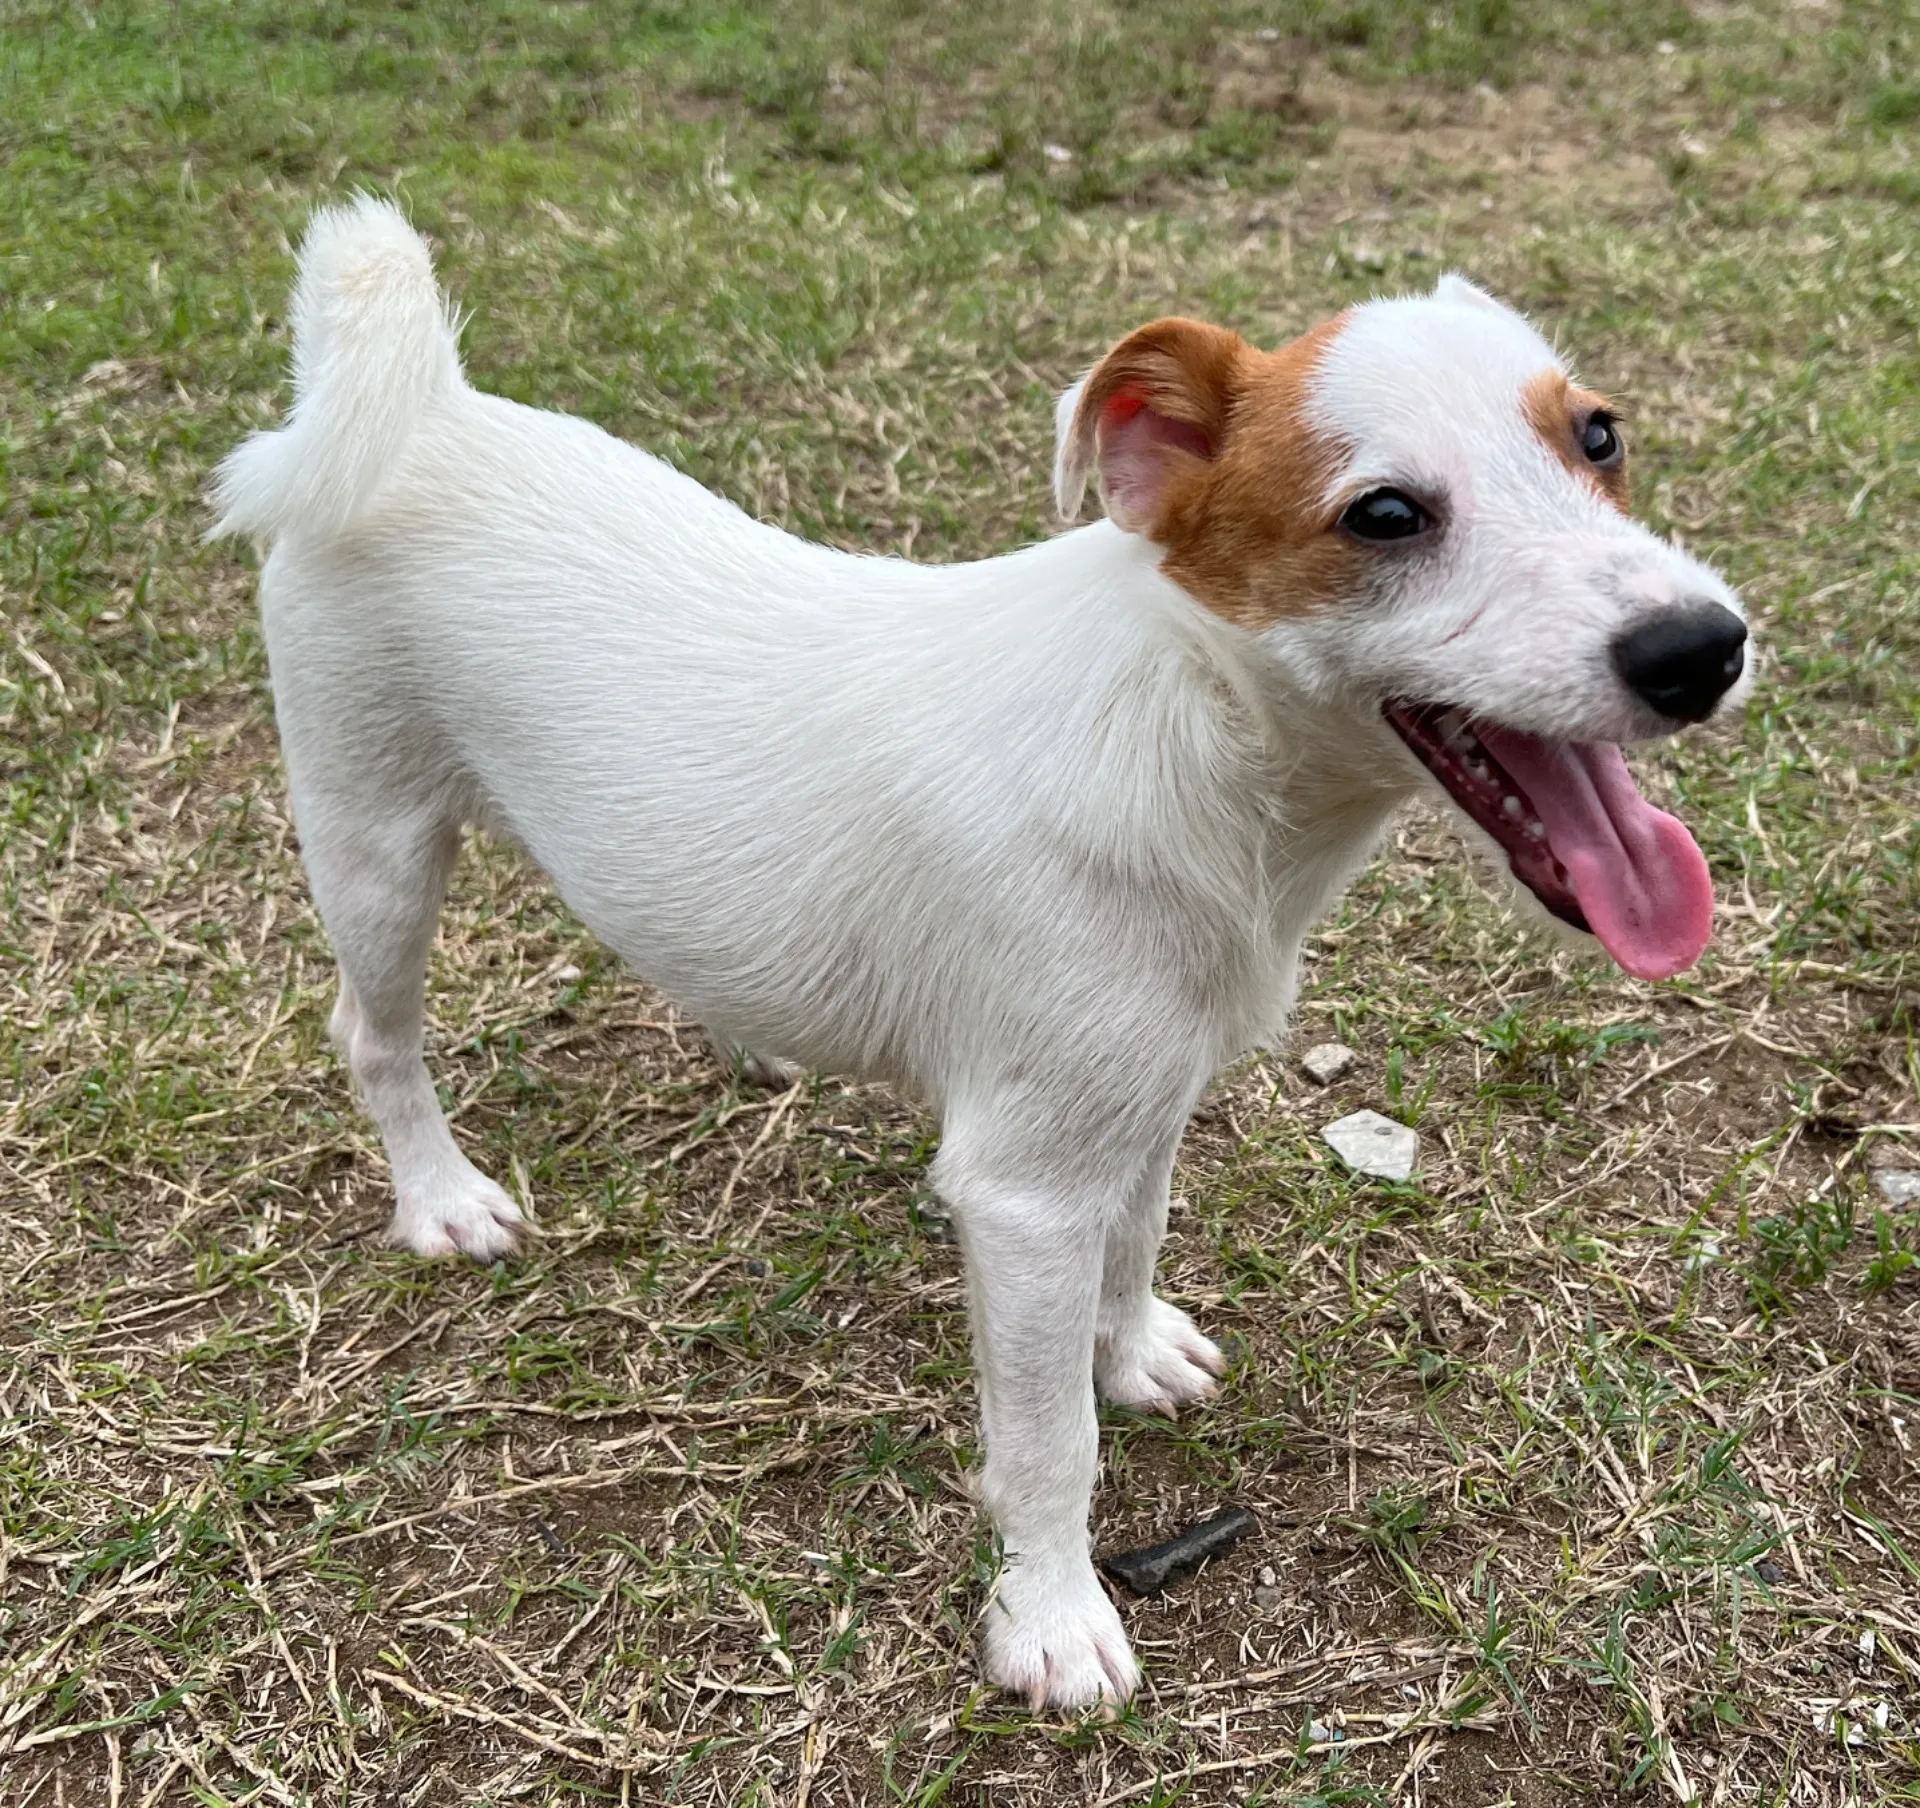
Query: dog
x=1035 y=839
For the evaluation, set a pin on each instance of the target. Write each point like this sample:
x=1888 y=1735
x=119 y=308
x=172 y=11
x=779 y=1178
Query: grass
x=1583 y=1464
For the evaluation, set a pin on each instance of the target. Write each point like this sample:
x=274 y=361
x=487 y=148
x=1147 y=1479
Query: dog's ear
x=1456 y=291
x=1153 y=411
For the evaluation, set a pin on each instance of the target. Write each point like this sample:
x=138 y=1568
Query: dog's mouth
x=1576 y=833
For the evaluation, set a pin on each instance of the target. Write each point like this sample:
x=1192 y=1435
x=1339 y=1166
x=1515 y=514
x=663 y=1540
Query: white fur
x=373 y=350
x=1035 y=838
x=1072 y=453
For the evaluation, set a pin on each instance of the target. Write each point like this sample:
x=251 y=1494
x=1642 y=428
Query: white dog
x=1036 y=839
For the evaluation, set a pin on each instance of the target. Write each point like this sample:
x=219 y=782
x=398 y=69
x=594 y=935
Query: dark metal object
x=1147 y=1572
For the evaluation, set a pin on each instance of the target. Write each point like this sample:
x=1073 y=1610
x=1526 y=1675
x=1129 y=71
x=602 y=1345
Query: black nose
x=1682 y=662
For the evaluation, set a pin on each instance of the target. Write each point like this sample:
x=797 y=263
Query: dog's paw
x=1160 y=1367
x=462 y=1215
x=767 y=1071
x=1052 y=1637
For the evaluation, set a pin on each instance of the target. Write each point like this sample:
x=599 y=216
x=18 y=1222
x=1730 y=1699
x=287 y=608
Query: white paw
x=1052 y=1637
x=767 y=1071
x=461 y=1214
x=1160 y=1366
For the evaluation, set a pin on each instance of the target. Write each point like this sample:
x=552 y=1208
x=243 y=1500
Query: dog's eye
x=1386 y=515
x=1600 y=440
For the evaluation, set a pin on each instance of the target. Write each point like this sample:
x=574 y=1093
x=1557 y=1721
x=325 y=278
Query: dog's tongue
x=1640 y=878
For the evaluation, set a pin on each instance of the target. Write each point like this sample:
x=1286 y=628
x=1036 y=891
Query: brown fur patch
x=1184 y=372
x=1243 y=522
x=1559 y=412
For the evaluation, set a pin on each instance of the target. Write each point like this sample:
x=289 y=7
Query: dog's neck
x=1215 y=722
x=1238 y=790
x=1328 y=802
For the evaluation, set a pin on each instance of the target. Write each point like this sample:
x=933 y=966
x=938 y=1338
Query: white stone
x=1371 y=1144
x=1899 y=1186
x=1325 y=1062
x=1704 y=1254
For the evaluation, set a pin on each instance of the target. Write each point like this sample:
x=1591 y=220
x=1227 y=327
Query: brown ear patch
x=1558 y=412
x=1248 y=533
x=1157 y=407
x=1183 y=369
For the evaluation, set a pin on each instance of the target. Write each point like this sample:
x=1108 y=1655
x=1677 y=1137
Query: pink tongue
x=1640 y=878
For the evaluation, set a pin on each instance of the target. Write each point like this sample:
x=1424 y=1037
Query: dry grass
x=1583 y=1465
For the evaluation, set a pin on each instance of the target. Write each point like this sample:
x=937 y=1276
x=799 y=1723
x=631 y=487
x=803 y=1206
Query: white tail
x=374 y=344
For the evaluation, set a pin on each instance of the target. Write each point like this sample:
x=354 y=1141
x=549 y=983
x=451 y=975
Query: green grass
x=1582 y=1462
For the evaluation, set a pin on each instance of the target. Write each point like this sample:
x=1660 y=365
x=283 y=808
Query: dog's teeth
x=1511 y=804
x=1453 y=728
x=1537 y=829
x=1479 y=768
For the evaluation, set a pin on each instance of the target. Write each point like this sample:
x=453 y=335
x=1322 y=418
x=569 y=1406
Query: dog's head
x=1426 y=519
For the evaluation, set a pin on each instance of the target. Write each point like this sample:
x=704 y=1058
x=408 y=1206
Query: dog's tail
x=374 y=346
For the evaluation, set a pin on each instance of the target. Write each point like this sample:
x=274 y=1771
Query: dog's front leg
x=1034 y=1253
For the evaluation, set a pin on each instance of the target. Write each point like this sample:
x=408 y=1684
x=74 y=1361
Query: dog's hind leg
x=1147 y=1354
x=378 y=885
x=379 y=800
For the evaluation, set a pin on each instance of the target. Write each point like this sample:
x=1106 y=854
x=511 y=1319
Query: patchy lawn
x=1583 y=1464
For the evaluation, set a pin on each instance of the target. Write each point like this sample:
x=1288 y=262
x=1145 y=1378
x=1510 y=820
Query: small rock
x=1267 y=34
x=1325 y=1062
x=1703 y=1255
x=1768 y=1571
x=1269 y=1600
x=1371 y=1144
x=1898 y=1186
x=1056 y=153
x=1828 y=1718
x=567 y=974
